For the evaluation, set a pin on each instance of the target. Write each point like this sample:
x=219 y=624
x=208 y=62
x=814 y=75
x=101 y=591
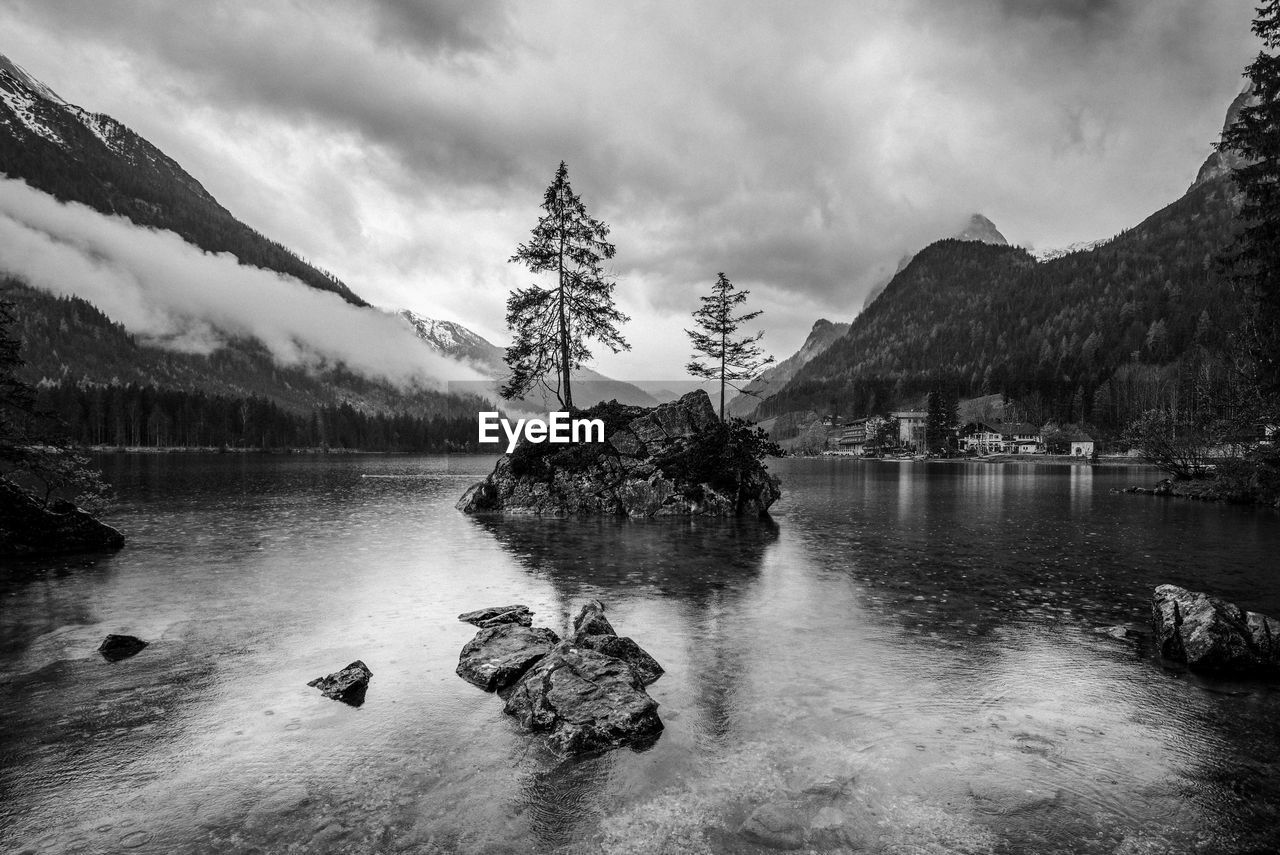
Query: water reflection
x=669 y=584
x=925 y=634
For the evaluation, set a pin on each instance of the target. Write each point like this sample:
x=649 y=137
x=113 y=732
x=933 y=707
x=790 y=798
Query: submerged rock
x=584 y=701
x=497 y=615
x=1213 y=635
x=29 y=528
x=348 y=685
x=116 y=647
x=666 y=461
x=499 y=655
x=777 y=826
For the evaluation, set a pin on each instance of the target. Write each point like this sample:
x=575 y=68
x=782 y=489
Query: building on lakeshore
x=1081 y=445
x=1002 y=438
x=853 y=439
x=911 y=429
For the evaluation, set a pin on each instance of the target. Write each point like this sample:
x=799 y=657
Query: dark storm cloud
x=454 y=25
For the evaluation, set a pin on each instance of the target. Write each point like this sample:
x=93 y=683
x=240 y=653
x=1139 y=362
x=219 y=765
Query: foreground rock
x=585 y=693
x=592 y=630
x=498 y=615
x=1212 y=635
x=348 y=685
x=584 y=701
x=499 y=655
x=116 y=647
x=28 y=528
x=666 y=461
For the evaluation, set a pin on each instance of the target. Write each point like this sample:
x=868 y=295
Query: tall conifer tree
x=1255 y=258
x=552 y=325
x=729 y=359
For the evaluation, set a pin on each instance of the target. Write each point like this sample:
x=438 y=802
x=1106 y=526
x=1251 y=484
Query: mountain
x=457 y=342
x=822 y=336
x=1220 y=163
x=1051 y=253
x=1093 y=335
x=79 y=156
x=978 y=228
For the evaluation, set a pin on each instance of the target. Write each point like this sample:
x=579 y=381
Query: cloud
x=170 y=293
x=802 y=147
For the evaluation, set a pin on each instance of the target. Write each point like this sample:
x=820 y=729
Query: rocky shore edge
x=30 y=529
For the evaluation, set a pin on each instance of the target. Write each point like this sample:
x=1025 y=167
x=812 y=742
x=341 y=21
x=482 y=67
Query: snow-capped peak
x=21 y=75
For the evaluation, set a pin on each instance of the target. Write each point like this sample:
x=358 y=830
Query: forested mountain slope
x=977 y=319
x=79 y=156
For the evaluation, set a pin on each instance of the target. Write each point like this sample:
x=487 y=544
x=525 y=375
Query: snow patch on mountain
x=101 y=126
x=1050 y=253
x=22 y=106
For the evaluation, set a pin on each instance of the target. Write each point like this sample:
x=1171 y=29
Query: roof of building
x=1079 y=436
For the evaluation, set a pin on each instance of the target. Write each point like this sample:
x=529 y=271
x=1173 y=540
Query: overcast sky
x=800 y=147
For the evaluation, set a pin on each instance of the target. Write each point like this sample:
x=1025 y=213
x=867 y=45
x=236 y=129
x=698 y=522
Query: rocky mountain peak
x=20 y=74
x=1221 y=163
x=981 y=229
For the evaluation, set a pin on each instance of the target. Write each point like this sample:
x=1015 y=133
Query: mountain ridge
x=77 y=155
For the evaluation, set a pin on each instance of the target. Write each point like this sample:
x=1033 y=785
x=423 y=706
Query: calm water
x=926 y=631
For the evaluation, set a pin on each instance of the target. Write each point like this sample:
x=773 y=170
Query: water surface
x=925 y=635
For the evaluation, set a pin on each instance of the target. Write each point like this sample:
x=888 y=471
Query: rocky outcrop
x=499 y=655
x=666 y=461
x=348 y=685
x=29 y=528
x=1212 y=635
x=592 y=630
x=498 y=615
x=585 y=693
x=584 y=701
x=116 y=647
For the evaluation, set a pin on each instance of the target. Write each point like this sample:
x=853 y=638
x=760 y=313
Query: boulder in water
x=348 y=685
x=497 y=615
x=29 y=528
x=116 y=647
x=590 y=620
x=584 y=701
x=500 y=655
x=591 y=629
x=644 y=666
x=1212 y=635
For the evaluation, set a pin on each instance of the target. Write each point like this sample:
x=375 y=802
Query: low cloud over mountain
x=166 y=291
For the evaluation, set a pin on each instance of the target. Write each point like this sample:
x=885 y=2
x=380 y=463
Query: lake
x=915 y=644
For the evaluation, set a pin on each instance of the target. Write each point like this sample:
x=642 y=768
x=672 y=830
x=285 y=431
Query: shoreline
x=1113 y=462
x=312 y=452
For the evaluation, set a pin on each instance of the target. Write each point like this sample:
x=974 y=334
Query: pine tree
x=1255 y=258
x=730 y=359
x=552 y=325
x=942 y=418
x=34 y=453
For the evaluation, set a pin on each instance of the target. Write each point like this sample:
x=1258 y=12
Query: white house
x=1081 y=445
